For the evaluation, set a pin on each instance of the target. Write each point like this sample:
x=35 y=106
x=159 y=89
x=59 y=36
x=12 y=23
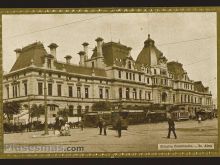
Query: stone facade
x=110 y=74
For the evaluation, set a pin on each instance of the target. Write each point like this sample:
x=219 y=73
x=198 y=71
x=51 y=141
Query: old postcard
x=111 y=82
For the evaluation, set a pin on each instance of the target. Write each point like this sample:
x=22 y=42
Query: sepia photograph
x=110 y=82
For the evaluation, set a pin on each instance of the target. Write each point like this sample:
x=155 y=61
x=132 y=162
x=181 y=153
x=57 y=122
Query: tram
x=180 y=115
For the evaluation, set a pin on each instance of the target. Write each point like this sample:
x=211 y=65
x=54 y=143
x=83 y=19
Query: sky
x=189 y=38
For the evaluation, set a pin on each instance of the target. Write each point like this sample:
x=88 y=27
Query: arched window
x=79 y=109
x=70 y=110
x=164 y=97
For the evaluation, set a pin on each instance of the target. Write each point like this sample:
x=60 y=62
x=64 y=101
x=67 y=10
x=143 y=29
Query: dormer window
x=49 y=63
x=129 y=64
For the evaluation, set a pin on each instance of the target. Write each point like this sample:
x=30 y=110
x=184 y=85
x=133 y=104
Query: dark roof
x=113 y=53
x=144 y=57
x=198 y=86
x=176 y=69
x=35 y=51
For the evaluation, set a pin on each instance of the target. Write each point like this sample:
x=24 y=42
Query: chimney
x=129 y=51
x=68 y=58
x=81 y=54
x=99 y=46
x=53 y=47
x=85 y=46
x=18 y=52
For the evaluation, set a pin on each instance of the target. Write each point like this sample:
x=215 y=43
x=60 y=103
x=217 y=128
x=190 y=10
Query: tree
x=102 y=106
x=11 y=108
x=64 y=113
x=36 y=111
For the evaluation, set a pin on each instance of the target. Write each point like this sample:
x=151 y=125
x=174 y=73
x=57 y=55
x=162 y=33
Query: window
x=139 y=77
x=78 y=79
x=120 y=93
x=133 y=76
x=134 y=94
x=126 y=75
x=7 y=89
x=78 y=92
x=86 y=109
x=174 y=98
x=129 y=64
x=50 y=89
x=155 y=71
x=93 y=64
x=181 y=98
x=59 y=90
x=127 y=93
x=148 y=80
x=164 y=97
x=50 y=74
x=70 y=110
x=119 y=74
x=25 y=89
x=49 y=63
x=100 y=93
x=149 y=96
x=40 y=88
x=40 y=73
x=86 y=92
x=106 y=93
x=140 y=94
x=70 y=91
x=130 y=76
x=59 y=76
x=79 y=110
x=52 y=107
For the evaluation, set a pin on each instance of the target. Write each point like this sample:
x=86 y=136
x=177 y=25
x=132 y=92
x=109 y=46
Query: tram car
x=136 y=116
x=91 y=119
x=123 y=114
x=180 y=115
x=156 y=116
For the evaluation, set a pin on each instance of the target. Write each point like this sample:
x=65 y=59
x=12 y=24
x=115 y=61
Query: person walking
x=100 y=125
x=104 y=127
x=171 y=127
x=119 y=126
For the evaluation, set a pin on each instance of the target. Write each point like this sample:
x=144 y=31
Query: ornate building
x=109 y=74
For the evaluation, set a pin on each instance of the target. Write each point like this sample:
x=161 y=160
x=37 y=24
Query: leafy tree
x=63 y=113
x=11 y=108
x=36 y=111
x=102 y=106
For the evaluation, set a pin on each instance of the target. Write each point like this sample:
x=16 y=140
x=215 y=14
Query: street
x=138 y=138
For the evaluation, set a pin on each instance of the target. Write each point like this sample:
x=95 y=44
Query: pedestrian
x=100 y=125
x=104 y=127
x=199 y=119
x=171 y=127
x=81 y=125
x=119 y=126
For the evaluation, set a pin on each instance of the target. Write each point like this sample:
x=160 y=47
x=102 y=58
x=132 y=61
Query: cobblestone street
x=138 y=138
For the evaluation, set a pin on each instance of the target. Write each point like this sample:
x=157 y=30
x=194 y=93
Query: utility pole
x=45 y=104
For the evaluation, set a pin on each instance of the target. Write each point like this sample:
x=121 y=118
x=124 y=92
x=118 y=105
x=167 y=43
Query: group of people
x=61 y=127
x=103 y=126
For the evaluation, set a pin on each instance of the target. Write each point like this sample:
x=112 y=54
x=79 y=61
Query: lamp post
x=45 y=105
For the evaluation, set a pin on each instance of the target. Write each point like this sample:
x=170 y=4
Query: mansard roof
x=33 y=52
x=113 y=53
x=198 y=86
x=144 y=57
x=176 y=69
